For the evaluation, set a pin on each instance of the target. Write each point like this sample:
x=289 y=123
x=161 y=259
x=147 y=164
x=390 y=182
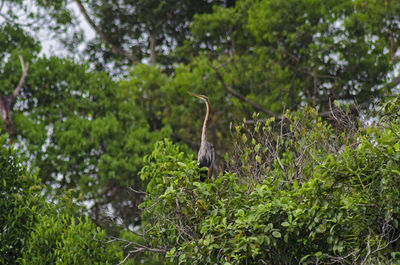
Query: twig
x=138 y=248
x=137 y=191
x=125 y=259
x=385 y=231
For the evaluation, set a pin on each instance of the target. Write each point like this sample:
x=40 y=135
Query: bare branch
x=356 y=107
x=7 y=102
x=115 y=48
x=25 y=68
x=137 y=191
x=327 y=114
x=137 y=248
x=125 y=259
x=277 y=146
x=385 y=232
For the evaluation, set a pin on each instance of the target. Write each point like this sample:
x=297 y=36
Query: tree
x=129 y=31
x=93 y=134
x=289 y=53
x=256 y=56
x=81 y=128
x=34 y=231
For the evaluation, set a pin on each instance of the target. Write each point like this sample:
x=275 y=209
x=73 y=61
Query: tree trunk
x=153 y=56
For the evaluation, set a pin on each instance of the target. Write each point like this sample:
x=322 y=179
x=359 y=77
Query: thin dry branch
x=386 y=230
x=137 y=191
x=138 y=248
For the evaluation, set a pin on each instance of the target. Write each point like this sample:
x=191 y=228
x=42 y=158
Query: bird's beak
x=193 y=94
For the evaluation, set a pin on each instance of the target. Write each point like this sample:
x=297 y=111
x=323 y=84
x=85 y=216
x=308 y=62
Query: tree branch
x=153 y=55
x=137 y=191
x=236 y=94
x=356 y=107
x=115 y=48
x=25 y=68
x=386 y=230
x=7 y=102
x=137 y=248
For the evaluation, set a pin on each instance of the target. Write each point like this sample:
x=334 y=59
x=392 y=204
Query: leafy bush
x=18 y=202
x=67 y=240
x=318 y=194
x=34 y=231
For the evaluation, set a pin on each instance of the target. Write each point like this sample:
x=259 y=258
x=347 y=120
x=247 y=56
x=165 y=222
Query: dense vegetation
x=88 y=136
x=305 y=195
x=35 y=231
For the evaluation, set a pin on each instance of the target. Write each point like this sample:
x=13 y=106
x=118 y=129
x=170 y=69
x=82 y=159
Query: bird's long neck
x=204 y=131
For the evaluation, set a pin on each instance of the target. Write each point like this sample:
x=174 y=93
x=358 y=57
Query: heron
x=206 y=156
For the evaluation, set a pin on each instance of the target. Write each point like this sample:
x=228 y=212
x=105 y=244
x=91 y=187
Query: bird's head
x=202 y=97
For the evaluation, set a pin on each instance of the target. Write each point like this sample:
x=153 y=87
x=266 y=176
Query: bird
x=205 y=156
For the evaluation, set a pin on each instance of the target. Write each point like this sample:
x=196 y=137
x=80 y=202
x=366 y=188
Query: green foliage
x=19 y=199
x=71 y=241
x=83 y=130
x=340 y=203
x=34 y=231
x=284 y=53
x=297 y=188
x=273 y=54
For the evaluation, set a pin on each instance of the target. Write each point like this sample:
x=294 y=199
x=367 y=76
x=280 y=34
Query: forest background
x=99 y=140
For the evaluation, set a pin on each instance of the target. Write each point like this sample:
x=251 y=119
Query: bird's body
x=205 y=157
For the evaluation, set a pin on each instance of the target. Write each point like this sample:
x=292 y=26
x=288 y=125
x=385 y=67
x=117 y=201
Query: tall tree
x=85 y=132
x=289 y=53
x=81 y=128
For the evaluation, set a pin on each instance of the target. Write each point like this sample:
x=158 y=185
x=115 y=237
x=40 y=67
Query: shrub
x=304 y=193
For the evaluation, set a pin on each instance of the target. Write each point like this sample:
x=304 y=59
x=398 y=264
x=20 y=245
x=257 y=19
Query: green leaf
x=276 y=234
